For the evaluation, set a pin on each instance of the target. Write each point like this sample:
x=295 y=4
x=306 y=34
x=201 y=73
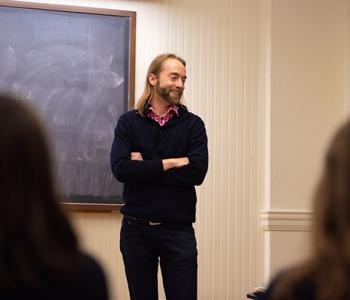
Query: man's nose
x=180 y=84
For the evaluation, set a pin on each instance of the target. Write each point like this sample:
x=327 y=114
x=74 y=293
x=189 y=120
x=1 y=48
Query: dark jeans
x=173 y=245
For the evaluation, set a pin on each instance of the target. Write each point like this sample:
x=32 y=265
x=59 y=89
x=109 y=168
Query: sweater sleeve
x=124 y=169
x=193 y=173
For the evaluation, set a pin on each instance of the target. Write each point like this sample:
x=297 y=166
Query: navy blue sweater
x=149 y=191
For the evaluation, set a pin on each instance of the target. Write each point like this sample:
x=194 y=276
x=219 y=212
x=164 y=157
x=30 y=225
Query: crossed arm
x=130 y=166
x=168 y=163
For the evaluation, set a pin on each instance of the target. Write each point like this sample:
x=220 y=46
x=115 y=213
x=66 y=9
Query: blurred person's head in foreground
x=36 y=239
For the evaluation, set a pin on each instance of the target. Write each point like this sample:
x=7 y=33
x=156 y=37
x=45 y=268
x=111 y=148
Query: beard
x=171 y=96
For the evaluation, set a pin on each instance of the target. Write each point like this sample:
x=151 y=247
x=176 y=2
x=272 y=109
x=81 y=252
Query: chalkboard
x=76 y=65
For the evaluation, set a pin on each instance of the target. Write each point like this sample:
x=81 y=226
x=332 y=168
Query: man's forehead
x=172 y=63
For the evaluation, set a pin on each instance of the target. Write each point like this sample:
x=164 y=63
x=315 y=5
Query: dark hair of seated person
x=325 y=274
x=37 y=242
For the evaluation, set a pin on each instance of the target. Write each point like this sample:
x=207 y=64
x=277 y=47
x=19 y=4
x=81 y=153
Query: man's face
x=170 y=83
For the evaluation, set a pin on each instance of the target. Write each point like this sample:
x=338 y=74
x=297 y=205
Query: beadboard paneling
x=226 y=44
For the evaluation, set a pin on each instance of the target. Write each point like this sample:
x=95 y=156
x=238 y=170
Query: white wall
x=307 y=97
x=307 y=104
x=347 y=56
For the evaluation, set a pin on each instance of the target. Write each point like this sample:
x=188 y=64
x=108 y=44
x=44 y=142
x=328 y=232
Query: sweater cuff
x=159 y=166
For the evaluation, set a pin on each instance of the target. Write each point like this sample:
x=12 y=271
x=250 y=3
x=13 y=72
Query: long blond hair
x=154 y=68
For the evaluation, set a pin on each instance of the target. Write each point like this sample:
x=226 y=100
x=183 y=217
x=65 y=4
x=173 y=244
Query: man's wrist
x=168 y=163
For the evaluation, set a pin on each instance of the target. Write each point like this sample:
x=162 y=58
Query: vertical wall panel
x=221 y=40
x=307 y=94
x=347 y=57
x=308 y=51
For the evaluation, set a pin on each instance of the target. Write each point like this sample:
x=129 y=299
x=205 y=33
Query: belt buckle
x=154 y=223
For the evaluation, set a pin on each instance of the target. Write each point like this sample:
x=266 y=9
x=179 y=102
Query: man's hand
x=136 y=156
x=170 y=163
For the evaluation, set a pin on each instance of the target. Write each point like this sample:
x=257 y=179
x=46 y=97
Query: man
x=160 y=153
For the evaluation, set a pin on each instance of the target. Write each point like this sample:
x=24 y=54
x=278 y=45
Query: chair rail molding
x=286 y=220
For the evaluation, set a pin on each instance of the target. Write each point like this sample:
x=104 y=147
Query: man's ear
x=152 y=79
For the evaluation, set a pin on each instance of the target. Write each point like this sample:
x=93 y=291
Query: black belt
x=142 y=221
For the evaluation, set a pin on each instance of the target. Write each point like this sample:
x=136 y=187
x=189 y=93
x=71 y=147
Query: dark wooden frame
x=92 y=207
